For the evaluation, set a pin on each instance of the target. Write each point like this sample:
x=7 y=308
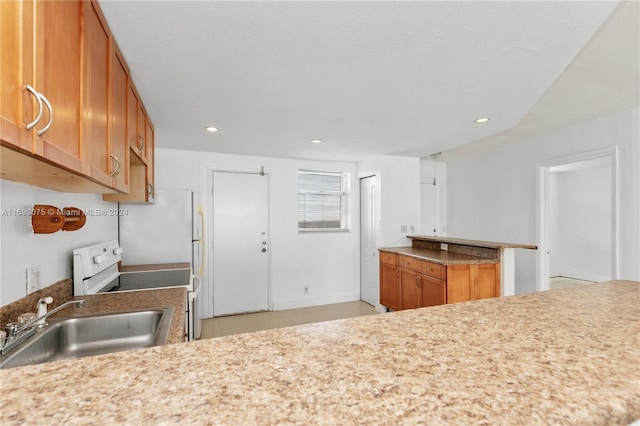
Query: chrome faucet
x=15 y=334
x=42 y=310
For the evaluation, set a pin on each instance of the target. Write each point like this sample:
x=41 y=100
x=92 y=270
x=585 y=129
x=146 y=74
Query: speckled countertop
x=559 y=357
x=442 y=257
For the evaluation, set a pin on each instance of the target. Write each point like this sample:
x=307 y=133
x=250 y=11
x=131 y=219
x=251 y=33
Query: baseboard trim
x=314 y=301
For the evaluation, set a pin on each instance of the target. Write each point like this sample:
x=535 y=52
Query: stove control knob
x=98 y=259
x=117 y=251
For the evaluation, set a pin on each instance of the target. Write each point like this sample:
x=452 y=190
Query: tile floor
x=234 y=324
x=563 y=282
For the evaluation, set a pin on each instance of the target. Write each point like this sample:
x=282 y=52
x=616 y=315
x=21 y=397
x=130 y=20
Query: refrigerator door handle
x=202 y=245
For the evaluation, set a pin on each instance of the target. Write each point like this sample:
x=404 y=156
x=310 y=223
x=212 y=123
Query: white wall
x=398 y=183
x=327 y=263
x=21 y=248
x=580 y=224
x=493 y=196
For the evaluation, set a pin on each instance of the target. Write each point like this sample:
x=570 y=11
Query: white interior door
x=240 y=243
x=368 y=251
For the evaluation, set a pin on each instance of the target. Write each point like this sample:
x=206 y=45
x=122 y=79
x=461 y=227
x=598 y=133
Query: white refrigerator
x=170 y=230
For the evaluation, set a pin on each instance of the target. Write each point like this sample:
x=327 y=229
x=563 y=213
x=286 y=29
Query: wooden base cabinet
x=472 y=282
x=409 y=283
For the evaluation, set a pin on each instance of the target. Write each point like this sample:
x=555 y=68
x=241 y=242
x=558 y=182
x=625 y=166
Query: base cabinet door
x=390 y=286
x=472 y=282
x=410 y=291
x=486 y=281
x=458 y=283
x=434 y=291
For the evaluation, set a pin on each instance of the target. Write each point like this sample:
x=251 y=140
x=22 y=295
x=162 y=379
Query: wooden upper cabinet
x=118 y=144
x=67 y=102
x=18 y=106
x=58 y=76
x=96 y=94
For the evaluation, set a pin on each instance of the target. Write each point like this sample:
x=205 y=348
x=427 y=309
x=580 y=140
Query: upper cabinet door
x=96 y=94
x=118 y=145
x=19 y=107
x=150 y=148
x=134 y=116
x=58 y=65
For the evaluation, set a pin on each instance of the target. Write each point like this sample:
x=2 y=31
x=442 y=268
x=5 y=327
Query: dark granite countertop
x=441 y=257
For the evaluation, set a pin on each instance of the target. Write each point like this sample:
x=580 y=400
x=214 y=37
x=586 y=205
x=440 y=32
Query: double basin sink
x=76 y=337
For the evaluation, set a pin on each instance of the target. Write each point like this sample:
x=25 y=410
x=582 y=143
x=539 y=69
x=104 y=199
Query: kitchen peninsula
x=567 y=356
x=439 y=270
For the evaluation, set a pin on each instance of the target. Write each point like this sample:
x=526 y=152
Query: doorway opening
x=577 y=220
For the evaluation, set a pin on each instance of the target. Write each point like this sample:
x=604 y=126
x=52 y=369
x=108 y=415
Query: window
x=322 y=201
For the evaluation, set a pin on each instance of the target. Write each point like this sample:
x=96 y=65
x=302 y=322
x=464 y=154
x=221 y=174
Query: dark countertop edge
x=472 y=243
x=426 y=254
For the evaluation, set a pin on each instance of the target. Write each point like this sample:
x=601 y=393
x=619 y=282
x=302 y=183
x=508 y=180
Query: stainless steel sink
x=77 y=337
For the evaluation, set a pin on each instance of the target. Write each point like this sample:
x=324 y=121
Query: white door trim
x=375 y=297
x=210 y=171
x=542 y=210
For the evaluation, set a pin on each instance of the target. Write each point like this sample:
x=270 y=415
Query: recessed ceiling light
x=316 y=140
x=211 y=129
x=482 y=120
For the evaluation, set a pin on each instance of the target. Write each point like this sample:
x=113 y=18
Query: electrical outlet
x=306 y=290
x=33 y=279
x=412 y=228
x=403 y=229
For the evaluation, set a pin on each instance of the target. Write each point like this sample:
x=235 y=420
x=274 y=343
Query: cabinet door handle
x=141 y=146
x=150 y=189
x=30 y=126
x=116 y=171
x=419 y=282
x=397 y=273
x=50 y=122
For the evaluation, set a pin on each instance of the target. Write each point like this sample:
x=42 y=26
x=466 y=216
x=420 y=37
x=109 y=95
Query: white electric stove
x=95 y=270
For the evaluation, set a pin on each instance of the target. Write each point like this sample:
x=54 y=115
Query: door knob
x=264 y=250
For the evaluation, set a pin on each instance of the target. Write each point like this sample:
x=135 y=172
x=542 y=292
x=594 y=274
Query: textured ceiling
x=366 y=77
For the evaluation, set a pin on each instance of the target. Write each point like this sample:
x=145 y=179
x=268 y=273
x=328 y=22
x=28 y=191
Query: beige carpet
x=235 y=324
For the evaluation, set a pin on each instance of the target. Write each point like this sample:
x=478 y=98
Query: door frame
x=542 y=210
x=210 y=172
